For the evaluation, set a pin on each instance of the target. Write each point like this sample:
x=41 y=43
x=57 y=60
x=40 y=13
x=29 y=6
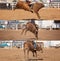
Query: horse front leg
x=22 y=31
x=26 y=31
x=28 y=54
x=26 y=7
x=36 y=53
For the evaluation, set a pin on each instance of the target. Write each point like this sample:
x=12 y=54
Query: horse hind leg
x=36 y=35
x=28 y=53
x=35 y=53
x=24 y=53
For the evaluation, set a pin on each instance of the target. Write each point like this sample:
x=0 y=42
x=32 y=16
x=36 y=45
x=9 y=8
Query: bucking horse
x=30 y=7
x=28 y=46
x=31 y=27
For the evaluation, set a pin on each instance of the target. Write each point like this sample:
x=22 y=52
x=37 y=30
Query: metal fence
x=11 y=5
x=7 y=5
x=54 y=4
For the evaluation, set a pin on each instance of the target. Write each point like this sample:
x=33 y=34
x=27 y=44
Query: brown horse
x=28 y=46
x=32 y=28
x=23 y=5
x=27 y=6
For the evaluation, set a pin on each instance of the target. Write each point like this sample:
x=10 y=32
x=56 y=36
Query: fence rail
x=54 y=4
x=51 y=4
x=8 y=4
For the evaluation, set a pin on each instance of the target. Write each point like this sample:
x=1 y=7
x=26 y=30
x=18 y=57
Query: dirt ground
x=43 y=34
x=49 y=54
x=18 y=14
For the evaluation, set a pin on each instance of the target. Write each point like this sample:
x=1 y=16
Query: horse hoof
x=32 y=11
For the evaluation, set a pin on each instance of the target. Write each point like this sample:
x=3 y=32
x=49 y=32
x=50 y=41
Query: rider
x=33 y=22
x=34 y=43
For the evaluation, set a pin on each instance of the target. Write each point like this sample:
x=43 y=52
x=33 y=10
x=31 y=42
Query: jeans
x=35 y=45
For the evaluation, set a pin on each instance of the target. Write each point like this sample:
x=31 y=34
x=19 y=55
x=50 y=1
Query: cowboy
x=34 y=43
x=33 y=22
